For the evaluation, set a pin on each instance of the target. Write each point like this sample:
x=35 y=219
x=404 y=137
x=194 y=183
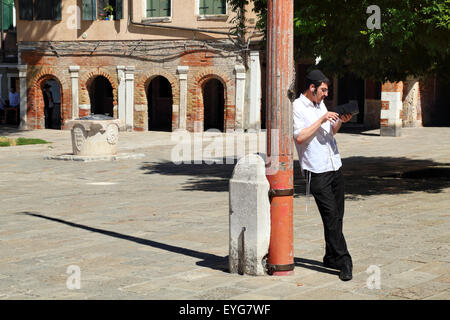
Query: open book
x=348 y=108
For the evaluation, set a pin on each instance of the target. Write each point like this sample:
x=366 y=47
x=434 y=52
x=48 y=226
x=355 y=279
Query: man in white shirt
x=314 y=130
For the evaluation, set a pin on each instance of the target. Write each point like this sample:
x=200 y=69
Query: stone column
x=73 y=70
x=121 y=95
x=182 y=114
x=411 y=114
x=129 y=98
x=391 y=107
x=240 y=96
x=254 y=87
x=23 y=97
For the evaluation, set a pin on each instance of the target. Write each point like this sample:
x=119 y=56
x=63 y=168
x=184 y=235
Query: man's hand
x=346 y=117
x=330 y=116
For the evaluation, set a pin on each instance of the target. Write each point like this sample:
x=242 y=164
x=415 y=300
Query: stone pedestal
x=249 y=217
x=94 y=137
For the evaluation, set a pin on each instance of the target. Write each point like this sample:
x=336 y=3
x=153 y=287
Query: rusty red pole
x=280 y=59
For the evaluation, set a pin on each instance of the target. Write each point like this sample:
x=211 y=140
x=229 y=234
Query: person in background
x=48 y=106
x=14 y=98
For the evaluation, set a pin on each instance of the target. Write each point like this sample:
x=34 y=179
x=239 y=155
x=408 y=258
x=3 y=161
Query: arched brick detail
x=195 y=97
x=35 y=108
x=86 y=80
x=142 y=81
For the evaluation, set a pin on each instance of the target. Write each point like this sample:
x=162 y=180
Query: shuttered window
x=158 y=8
x=209 y=7
x=89 y=9
x=26 y=9
x=47 y=9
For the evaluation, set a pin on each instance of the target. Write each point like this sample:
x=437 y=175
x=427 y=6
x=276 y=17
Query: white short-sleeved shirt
x=320 y=153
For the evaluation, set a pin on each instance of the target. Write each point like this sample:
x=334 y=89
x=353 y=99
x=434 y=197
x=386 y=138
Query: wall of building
x=216 y=61
x=70 y=28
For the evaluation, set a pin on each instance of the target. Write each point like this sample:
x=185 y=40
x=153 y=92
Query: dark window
x=40 y=9
x=26 y=9
x=213 y=7
x=48 y=9
x=117 y=6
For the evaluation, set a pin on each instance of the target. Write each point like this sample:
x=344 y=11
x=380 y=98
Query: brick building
x=155 y=64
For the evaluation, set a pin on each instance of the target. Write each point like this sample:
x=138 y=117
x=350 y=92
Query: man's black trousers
x=328 y=191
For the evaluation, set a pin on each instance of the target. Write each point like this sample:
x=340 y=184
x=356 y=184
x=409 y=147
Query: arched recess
x=38 y=110
x=141 y=96
x=159 y=104
x=101 y=95
x=213 y=93
x=86 y=82
x=197 y=114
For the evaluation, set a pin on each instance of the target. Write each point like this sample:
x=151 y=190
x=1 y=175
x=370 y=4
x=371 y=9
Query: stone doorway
x=214 y=103
x=51 y=92
x=160 y=101
x=101 y=96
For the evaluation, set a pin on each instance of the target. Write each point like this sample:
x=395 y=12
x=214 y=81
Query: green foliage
x=109 y=9
x=7 y=142
x=413 y=40
x=239 y=29
x=26 y=141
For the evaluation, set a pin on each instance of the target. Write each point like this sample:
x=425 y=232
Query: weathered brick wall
x=206 y=60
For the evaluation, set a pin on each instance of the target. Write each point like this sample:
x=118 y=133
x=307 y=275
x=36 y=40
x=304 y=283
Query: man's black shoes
x=330 y=264
x=346 y=272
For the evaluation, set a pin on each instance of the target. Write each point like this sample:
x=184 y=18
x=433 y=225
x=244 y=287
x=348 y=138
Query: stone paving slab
x=149 y=229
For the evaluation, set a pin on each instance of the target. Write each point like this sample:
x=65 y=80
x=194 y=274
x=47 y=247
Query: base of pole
x=283 y=273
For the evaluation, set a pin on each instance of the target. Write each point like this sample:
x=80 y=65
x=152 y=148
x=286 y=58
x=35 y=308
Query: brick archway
x=141 y=101
x=197 y=110
x=87 y=80
x=35 y=110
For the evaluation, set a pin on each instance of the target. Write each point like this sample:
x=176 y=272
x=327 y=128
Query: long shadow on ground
x=208 y=260
x=364 y=176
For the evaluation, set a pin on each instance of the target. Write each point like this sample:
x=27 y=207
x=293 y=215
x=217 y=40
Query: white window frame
x=216 y=17
x=156 y=19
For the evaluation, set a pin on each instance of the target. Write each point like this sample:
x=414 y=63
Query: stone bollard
x=249 y=216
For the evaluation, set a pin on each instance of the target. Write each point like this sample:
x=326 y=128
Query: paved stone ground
x=149 y=229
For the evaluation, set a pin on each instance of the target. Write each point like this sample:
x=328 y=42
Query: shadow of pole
x=207 y=259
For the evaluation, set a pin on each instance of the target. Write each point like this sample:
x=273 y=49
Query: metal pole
x=280 y=59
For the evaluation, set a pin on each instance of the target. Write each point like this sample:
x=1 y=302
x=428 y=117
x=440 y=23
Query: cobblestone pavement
x=149 y=229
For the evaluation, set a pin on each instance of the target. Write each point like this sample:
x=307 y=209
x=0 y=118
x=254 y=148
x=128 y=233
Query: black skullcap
x=316 y=76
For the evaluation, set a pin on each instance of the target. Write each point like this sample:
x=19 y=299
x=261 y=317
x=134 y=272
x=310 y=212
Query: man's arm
x=306 y=133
